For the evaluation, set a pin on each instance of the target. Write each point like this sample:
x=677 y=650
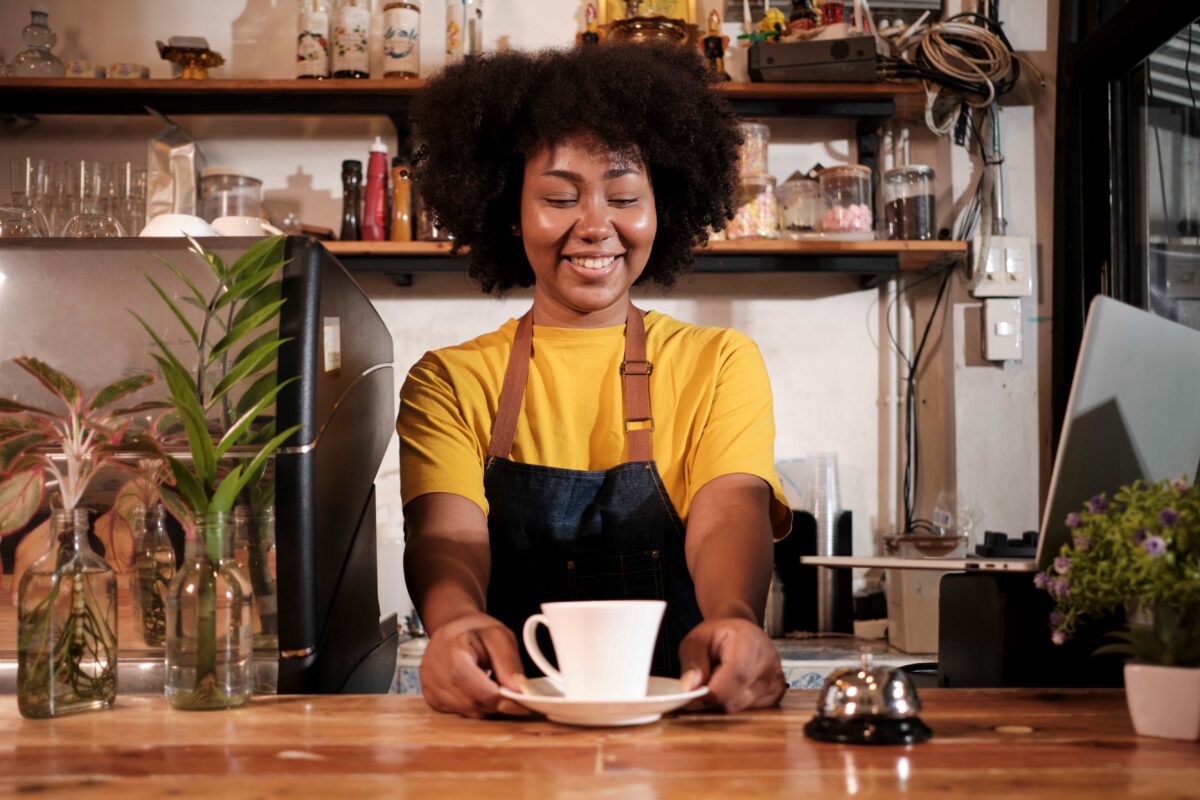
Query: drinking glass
x=92 y=226
x=22 y=223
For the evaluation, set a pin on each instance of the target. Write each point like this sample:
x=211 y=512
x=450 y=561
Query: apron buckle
x=636 y=368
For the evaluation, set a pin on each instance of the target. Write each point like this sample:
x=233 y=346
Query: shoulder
x=670 y=336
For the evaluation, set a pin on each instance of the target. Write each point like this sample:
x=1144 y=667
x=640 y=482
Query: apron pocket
x=628 y=576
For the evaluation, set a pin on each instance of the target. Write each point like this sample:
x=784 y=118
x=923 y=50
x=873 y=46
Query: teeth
x=593 y=263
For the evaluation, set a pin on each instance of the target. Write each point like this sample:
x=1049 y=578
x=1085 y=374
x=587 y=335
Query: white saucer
x=662 y=695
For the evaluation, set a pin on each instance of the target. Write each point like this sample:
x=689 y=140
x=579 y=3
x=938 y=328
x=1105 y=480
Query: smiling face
x=588 y=223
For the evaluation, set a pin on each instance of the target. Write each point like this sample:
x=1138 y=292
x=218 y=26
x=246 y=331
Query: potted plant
x=1139 y=551
x=235 y=340
x=67 y=632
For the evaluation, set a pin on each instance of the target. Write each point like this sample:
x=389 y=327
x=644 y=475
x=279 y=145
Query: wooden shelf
x=875 y=257
x=391 y=97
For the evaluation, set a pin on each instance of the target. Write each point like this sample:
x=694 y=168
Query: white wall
x=820 y=335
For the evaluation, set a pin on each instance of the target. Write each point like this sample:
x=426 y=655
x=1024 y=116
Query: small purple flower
x=1072 y=520
x=1168 y=517
x=1062 y=565
x=1140 y=534
x=1155 y=546
x=1098 y=504
x=1059 y=587
x=1058 y=637
x=1055 y=619
x=1040 y=580
x=1082 y=543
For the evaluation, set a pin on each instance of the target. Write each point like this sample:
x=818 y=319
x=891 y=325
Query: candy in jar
x=847 y=192
x=757 y=215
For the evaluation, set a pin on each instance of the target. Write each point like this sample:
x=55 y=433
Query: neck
x=550 y=313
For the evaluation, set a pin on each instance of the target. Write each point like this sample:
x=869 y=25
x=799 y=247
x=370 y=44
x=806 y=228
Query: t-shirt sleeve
x=739 y=434
x=438 y=450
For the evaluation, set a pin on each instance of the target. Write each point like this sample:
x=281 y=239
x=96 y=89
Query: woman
x=587 y=451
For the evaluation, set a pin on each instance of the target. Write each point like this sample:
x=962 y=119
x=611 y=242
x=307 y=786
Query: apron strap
x=635 y=381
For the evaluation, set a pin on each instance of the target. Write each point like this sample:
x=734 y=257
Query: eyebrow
x=608 y=175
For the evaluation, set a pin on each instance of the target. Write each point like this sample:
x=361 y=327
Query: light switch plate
x=1002 y=329
x=1006 y=270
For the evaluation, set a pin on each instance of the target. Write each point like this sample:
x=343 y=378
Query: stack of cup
x=826 y=507
x=94 y=196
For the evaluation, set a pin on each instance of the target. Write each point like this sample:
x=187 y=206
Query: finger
x=500 y=646
x=734 y=671
x=695 y=661
x=465 y=674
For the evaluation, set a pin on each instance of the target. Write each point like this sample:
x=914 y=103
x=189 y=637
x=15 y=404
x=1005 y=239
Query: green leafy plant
x=1138 y=550
x=67 y=642
x=235 y=343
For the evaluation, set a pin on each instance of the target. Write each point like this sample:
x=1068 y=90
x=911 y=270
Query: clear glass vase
x=36 y=60
x=67 y=625
x=254 y=550
x=153 y=569
x=210 y=634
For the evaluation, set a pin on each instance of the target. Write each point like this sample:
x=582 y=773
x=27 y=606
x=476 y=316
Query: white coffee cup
x=604 y=647
x=177 y=225
x=245 y=226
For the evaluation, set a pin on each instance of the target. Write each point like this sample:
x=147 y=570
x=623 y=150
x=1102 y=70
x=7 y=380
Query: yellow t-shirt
x=709 y=395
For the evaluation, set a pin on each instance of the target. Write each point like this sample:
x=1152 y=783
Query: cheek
x=641 y=227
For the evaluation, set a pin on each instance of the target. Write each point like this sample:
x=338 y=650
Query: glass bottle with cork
x=351 y=200
x=402 y=200
x=351 y=29
x=402 y=39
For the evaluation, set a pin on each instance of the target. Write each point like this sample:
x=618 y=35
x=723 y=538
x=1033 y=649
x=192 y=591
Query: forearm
x=446 y=579
x=729 y=548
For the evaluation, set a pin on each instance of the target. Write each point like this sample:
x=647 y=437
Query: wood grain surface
x=987 y=743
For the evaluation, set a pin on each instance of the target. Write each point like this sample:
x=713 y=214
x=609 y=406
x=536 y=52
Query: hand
x=736 y=660
x=453 y=669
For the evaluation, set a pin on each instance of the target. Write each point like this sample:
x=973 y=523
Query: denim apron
x=561 y=534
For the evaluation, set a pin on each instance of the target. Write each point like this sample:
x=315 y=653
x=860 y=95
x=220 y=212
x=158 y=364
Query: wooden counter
x=987 y=743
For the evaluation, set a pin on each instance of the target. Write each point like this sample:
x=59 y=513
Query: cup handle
x=529 y=634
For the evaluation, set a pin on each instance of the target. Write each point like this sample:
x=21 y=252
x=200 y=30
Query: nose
x=595 y=221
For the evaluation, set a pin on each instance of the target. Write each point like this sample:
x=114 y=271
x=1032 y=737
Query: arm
x=447 y=562
x=729 y=555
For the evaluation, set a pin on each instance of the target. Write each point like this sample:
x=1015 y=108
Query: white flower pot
x=1164 y=701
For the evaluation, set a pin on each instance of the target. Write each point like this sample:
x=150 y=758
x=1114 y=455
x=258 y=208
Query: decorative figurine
x=192 y=55
x=714 y=47
x=591 y=35
x=804 y=17
x=769 y=29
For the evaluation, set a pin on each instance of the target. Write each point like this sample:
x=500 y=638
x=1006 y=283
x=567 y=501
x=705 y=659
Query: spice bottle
x=402 y=39
x=456 y=24
x=375 y=210
x=351 y=27
x=402 y=223
x=351 y=200
x=312 y=42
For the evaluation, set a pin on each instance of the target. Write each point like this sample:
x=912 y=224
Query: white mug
x=177 y=225
x=244 y=226
x=604 y=647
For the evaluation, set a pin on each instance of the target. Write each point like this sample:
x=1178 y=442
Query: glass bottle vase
x=254 y=551
x=210 y=636
x=153 y=569
x=67 y=625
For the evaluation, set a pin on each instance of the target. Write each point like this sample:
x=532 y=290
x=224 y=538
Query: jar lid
x=848 y=169
x=921 y=170
x=212 y=172
x=756 y=128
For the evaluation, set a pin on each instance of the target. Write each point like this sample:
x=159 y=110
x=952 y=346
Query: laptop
x=1134 y=412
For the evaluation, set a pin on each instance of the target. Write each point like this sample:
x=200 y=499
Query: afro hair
x=480 y=119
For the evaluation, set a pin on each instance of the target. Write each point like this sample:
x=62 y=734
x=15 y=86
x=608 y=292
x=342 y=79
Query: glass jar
x=402 y=39
x=36 y=60
x=229 y=192
x=757 y=216
x=908 y=203
x=67 y=625
x=351 y=31
x=153 y=569
x=847 y=194
x=210 y=635
x=312 y=41
x=801 y=206
x=756 y=139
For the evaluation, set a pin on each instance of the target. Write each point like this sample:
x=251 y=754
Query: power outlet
x=1002 y=329
x=1006 y=269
